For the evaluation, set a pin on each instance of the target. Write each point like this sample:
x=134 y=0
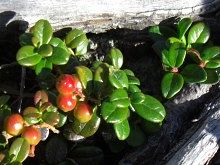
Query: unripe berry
x=67 y=84
x=14 y=124
x=32 y=135
x=83 y=112
x=66 y=102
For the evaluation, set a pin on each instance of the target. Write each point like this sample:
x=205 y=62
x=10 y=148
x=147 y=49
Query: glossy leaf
x=20 y=149
x=198 y=33
x=193 y=73
x=26 y=56
x=51 y=118
x=137 y=97
x=45 y=50
x=85 y=76
x=113 y=114
x=119 y=79
x=171 y=84
x=133 y=88
x=133 y=80
x=159 y=47
x=76 y=39
x=62 y=121
x=120 y=98
x=59 y=57
x=212 y=76
x=43 y=31
x=129 y=72
x=86 y=129
x=25 y=39
x=183 y=25
x=210 y=52
x=151 y=109
x=31 y=115
x=213 y=63
x=43 y=64
x=122 y=129
x=115 y=58
x=57 y=42
x=176 y=55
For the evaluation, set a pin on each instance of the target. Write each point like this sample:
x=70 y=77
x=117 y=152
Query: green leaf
x=57 y=42
x=62 y=121
x=136 y=136
x=43 y=64
x=43 y=31
x=113 y=114
x=151 y=109
x=212 y=76
x=25 y=39
x=45 y=50
x=20 y=149
x=171 y=84
x=3 y=142
x=31 y=115
x=133 y=88
x=172 y=40
x=85 y=76
x=198 y=33
x=76 y=39
x=137 y=97
x=27 y=56
x=183 y=25
x=118 y=79
x=115 y=58
x=51 y=118
x=210 y=52
x=193 y=73
x=86 y=129
x=159 y=47
x=100 y=81
x=122 y=129
x=120 y=98
x=176 y=55
x=213 y=64
x=133 y=80
x=59 y=57
x=4 y=99
x=129 y=72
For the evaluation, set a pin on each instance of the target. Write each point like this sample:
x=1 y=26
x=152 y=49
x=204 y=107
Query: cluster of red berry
x=71 y=97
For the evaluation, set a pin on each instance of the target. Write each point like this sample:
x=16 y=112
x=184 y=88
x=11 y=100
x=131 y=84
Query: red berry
x=68 y=84
x=83 y=112
x=32 y=135
x=14 y=124
x=66 y=102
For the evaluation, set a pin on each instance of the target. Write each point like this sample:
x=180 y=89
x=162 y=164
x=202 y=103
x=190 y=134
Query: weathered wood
x=180 y=113
x=98 y=16
x=203 y=138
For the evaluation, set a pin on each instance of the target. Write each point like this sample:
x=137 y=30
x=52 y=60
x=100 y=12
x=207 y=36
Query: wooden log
x=203 y=138
x=99 y=16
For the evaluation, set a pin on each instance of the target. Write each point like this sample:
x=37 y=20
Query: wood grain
x=99 y=16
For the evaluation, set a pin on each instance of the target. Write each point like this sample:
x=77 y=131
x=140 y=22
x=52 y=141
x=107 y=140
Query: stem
x=174 y=70
x=194 y=52
x=22 y=86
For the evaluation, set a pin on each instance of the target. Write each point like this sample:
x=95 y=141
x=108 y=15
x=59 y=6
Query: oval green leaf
x=115 y=58
x=26 y=56
x=59 y=57
x=193 y=73
x=122 y=129
x=62 y=121
x=20 y=149
x=112 y=114
x=198 y=33
x=51 y=118
x=133 y=80
x=118 y=79
x=151 y=109
x=86 y=129
x=45 y=50
x=120 y=98
x=171 y=84
x=212 y=76
x=137 y=97
x=43 y=64
x=176 y=55
x=43 y=31
x=133 y=88
x=210 y=52
x=183 y=25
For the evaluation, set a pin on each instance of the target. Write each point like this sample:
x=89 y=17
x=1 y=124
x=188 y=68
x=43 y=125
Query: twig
x=8 y=65
x=22 y=86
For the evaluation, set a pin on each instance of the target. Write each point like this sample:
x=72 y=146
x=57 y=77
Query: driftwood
x=99 y=16
x=180 y=112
